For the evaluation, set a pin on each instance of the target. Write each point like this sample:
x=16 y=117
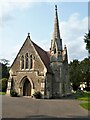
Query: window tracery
x=31 y=61
x=26 y=61
x=22 y=62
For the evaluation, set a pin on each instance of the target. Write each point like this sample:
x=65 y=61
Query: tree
x=85 y=71
x=4 y=84
x=87 y=41
x=4 y=61
x=4 y=69
x=74 y=74
x=4 y=74
x=79 y=72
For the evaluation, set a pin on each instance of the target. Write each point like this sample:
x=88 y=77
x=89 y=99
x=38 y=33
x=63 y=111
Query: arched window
x=31 y=61
x=22 y=62
x=26 y=61
x=54 y=50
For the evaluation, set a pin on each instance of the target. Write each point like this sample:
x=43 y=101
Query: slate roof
x=45 y=56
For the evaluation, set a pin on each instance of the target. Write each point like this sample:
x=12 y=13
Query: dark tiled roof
x=45 y=56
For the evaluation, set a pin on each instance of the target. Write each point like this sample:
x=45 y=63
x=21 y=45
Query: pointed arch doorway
x=27 y=88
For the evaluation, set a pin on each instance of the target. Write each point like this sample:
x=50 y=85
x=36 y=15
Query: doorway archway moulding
x=22 y=81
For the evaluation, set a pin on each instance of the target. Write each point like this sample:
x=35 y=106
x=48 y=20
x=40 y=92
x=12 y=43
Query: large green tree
x=74 y=74
x=4 y=84
x=87 y=41
x=79 y=72
x=4 y=74
x=85 y=70
x=4 y=69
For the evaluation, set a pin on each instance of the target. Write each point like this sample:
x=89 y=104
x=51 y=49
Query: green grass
x=2 y=93
x=84 y=96
x=86 y=105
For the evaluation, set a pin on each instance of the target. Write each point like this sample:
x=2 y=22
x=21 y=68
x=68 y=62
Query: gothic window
x=26 y=61
x=54 y=50
x=31 y=61
x=22 y=62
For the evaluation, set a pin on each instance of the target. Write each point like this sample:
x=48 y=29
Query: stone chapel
x=35 y=69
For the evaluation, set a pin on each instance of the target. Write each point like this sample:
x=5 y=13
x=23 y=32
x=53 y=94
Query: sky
x=18 y=18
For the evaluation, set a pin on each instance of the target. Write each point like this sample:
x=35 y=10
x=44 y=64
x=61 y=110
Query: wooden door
x=27 y=88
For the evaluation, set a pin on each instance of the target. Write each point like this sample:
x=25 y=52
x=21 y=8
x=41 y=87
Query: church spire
x=56 y=42
x=56 y=25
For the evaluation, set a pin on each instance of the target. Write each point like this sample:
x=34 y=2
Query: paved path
x=21 y=107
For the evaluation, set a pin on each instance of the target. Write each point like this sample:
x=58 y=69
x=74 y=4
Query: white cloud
x=44 y=44
x=7 y=6
x=72 y=33
x=11 y=53
x=72 y=30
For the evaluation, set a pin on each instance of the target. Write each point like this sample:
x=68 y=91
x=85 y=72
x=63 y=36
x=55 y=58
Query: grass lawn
x=86 y=105
x=83 y=96
x=2 y=93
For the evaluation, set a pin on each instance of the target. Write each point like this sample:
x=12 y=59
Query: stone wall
x=36 y=74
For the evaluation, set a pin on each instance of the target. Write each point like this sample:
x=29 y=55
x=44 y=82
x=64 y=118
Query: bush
x=13 y=93
x=37 y=95
x=4 y=84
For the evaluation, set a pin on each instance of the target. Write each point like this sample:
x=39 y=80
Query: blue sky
x=17 y=18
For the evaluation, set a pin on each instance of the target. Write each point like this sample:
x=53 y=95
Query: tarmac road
x=23 y=107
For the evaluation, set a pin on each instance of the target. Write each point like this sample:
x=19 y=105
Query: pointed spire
x=56 y=25
x=56 y=35
x=56 y=42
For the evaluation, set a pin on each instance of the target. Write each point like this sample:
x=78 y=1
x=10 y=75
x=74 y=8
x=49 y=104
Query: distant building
x=37 y=70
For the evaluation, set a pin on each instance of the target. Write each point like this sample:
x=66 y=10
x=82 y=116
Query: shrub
x=13 y=93
x=37 y=95
x=4 y=84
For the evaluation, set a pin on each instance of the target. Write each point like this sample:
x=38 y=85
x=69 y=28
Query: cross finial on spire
x=65 y=47
x=28 y=35
x=56 y=7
